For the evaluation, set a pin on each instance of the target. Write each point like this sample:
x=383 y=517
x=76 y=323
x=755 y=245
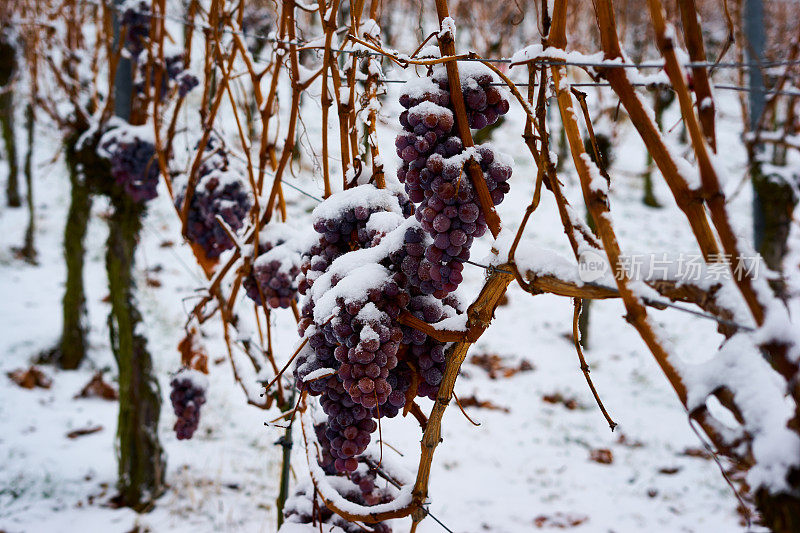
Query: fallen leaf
x=496 y=366
x=98 y=388
x=557 y=398
x=84 y=431
x=602 y=456
x=472 y=401
x=700 y=453
x=559 y=521
x=31 y=378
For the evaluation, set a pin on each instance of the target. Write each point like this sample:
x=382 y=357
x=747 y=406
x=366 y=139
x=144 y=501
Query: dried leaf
x=98 y=388
x=31 y=378
x=192 y=353
x=472 y=401
x=496 y=367
x=557 y=398
x=84 y=431
x=559 y=521
x=700 y=453
x=602 y=456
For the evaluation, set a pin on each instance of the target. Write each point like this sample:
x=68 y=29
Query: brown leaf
x=192 y=353
x=559 y=521
x=496 y=367
x=669 y=470
x=28 y=379
x=625 y=441
x=472 y=401
x=84 y=431
x=602 y=456
x=557 y=398
x=152 y=282
x=98 y=388
x=700 y=453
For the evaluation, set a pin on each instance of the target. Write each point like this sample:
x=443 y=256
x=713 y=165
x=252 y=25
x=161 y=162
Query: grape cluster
x=367 y=339
x=173 y=73
x=134 y=163
x=338 y=236
x=367 y=267
x=219 y=191
x=344 y=231
x=349 y=425
x=187 y=396
x=484 y=103
x=135 y=22
x=433 y=171
x=257 y=20
x=424 y=352
x=275 y=270
x=302 y=508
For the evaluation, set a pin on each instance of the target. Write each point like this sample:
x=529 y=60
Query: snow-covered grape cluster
x=341 y=232
x=135 y=23
x=187 y=396
x=485 y=103
x=174 y=75
x=134 y=163
x=433 y=170
x=301 y=508
x=373 y=263
x=220 y=191
x=358 y=358
x=276 y=269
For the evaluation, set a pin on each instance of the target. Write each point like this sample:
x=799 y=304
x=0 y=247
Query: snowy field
x=530 y=465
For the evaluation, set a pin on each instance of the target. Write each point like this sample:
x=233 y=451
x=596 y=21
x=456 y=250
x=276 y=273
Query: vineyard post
x=773 y=197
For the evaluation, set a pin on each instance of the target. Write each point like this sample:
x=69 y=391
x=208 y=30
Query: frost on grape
x=221 y=191
x=363 y=273
x=433 y=169
x=274 y=275
x=131 y=153
x=187 y=396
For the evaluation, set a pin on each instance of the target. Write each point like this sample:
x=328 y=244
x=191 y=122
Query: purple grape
x=134 y=163
x=221 y=192
x=187 y=396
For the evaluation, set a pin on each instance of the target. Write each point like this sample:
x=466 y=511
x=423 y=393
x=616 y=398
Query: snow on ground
x=521 y=470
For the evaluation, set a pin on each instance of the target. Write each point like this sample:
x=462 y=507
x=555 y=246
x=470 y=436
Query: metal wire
x=659 y=303
x=396 y=55
x=647 y=301
x=397 y=485
x=724 y=87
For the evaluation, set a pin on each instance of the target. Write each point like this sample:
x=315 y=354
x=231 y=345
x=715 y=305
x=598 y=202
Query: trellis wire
x=637 y=84
x=401 y=57
x=648 y=301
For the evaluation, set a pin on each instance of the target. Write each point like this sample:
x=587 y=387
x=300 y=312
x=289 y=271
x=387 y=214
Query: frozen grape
x=187 y=396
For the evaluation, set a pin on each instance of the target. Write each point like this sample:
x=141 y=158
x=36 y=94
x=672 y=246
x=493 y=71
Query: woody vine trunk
x=74 y=329
x=141 y=458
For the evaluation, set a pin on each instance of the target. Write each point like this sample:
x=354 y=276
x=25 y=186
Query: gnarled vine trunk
x=28 y=247
x=141 y=459
x=74 y=329
x=7 y=67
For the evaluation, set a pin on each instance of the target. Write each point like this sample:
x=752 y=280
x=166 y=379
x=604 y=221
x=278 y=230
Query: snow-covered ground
x=526 y=469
